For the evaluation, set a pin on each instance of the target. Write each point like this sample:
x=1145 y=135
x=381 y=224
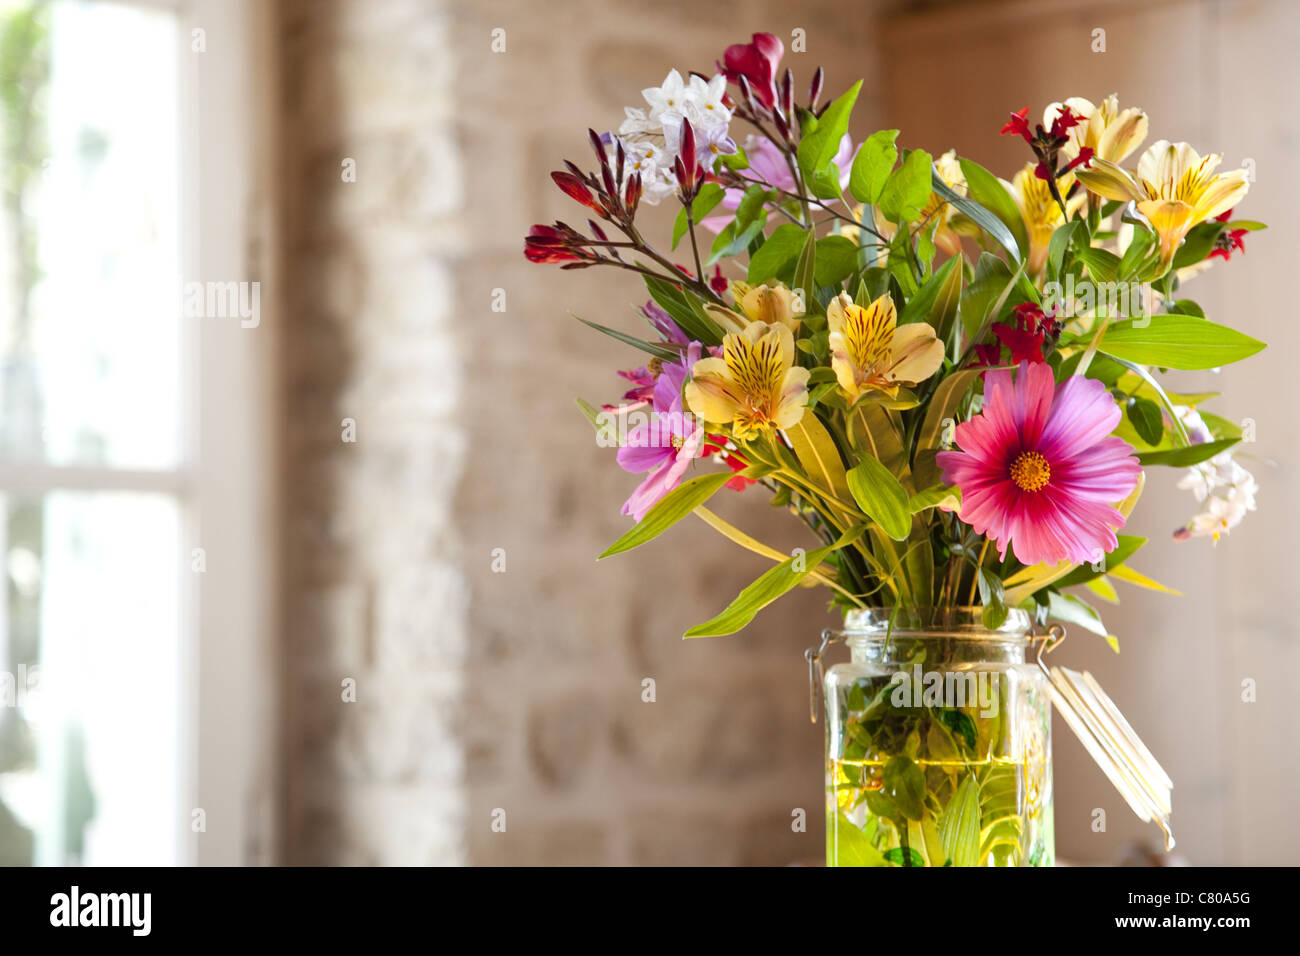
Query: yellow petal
x=918 y=353
x=1222 y=194
x=1108 y=181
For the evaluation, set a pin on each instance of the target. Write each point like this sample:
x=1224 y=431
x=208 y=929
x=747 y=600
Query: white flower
x=671 y=97
x=706 y=102
x=654 y=166
x=652 y=136
x=1225 y=490
x=637 y=122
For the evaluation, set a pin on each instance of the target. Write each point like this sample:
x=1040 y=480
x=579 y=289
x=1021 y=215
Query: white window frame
x=225 y=480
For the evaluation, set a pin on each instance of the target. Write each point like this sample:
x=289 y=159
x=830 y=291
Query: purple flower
x=664 y=447
x=667 y=395
x=663 y=324
x=767 y=164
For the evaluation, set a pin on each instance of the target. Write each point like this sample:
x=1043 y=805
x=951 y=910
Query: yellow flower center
x=677 y=441
x=1030 y=471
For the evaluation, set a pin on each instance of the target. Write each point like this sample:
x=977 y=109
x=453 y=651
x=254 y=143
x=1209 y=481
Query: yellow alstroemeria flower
x=870 y=350
x=937 y=209
x=755 y=385
x=1039 y=210
x=769 y=303
x=1174 y=187
x=1110 y=133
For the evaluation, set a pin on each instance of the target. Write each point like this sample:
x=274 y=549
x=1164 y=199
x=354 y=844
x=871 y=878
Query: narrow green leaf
x=818 y=455
x=1177 y=341
x=977 y=214
x=773 y=583
x=959 y=824
x=805 y=272
x=987 y=190
x=1185 y=457
x=676 y=505
x=1127 y=547
x=684 y=310
x=881 y=497
x=650 y=348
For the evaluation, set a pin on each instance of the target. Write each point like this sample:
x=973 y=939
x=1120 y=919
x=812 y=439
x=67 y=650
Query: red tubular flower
x=1019 y=124
x=577 y=190
x=552 y=244
x=1025 y=339
x=1229 y=240
x=717 y=282
x=756 y=62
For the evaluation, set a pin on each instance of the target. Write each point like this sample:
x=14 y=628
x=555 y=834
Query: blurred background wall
x=525 y=695
x=401 y=649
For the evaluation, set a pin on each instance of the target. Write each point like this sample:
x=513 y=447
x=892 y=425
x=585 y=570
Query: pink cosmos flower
x=664 y=447
x=1038 y=468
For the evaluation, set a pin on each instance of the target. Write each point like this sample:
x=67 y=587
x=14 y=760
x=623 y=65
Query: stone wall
x=485 y=695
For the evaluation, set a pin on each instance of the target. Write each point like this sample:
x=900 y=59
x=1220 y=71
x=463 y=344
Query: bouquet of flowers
x=954 y=381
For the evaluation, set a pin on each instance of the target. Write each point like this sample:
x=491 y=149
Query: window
x=108 y=476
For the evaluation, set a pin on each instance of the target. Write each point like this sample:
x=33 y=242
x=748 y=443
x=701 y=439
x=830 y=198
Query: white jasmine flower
x=1225 y=490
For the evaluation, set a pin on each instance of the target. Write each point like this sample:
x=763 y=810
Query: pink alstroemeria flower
x=664 y=447
x=1039 y=469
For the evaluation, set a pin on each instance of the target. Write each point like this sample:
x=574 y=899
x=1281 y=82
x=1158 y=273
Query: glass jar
x=938 y=743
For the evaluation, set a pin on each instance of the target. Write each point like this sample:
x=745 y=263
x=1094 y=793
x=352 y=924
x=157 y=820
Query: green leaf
x=1057 y=246
x=650 y=348
x=987 y=190
x=872 y=165
x=676 y=505
x=993 y=598
x=897 y=855
x=920 y=306
x=1073 y=610
x=1127 y=547
x=1136 y=252
x=735 y=239
x=945 y=401
x=959 y=824
x=818 y=455
x=979 y=215
x=781 y=247
x=851 y=845
x=907 y=190
x=960 y=725
x=1147 y=419
x=1185 y=457
x=684 y=310
x=817 y=149
x=1198 y=244
x=1177 y=341
x=881 y=497
x=805 y=272
x=710 y=195
x=1103 y=266
x=903 y=782
x=775 y=582
x=932 y=497
x=837 y=258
